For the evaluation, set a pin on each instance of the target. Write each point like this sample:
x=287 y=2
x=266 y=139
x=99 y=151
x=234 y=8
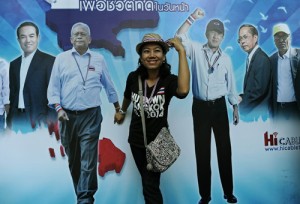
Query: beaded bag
x=163 y=151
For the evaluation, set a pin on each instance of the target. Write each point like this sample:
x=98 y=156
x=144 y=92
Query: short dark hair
x=252 y=29
x=28 y=23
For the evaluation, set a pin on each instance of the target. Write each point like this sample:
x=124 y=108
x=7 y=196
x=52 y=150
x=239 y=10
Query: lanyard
x=87 y=70
x=211 y=67
x=145 y=91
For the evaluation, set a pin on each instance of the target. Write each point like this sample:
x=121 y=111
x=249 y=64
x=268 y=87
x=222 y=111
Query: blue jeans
x=79 y=136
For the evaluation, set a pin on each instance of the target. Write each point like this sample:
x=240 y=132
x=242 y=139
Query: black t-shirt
x=156 y=110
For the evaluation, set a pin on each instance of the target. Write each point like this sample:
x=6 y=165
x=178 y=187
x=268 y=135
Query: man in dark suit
x=255 y=100
x=29 y=76
x=286 y=75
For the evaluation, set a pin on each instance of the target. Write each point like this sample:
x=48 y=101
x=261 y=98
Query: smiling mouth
x=151 y=60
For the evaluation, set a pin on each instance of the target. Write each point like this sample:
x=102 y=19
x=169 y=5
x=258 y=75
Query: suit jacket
x=295 y=71
x=35 y=88
x=257 y=83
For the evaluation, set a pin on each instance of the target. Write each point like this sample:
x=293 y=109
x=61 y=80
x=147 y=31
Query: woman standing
x=159 y=86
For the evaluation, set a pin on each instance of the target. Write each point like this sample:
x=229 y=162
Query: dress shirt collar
x=208 y=49
x=252 y=53
x=30 y=56
x=87 y=52
x=286 y=55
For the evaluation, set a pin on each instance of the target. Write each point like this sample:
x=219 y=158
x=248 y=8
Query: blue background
x=29 y=175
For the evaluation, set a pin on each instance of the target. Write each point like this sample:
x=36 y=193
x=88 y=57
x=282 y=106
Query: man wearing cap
x=256 y=96
x=212 y=80
x=76 y=81
x=286 y=75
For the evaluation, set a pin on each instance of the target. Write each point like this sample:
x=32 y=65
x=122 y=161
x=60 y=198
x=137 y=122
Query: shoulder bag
x=163 y=151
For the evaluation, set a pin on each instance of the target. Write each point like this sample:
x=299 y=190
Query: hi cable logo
x=274 y=142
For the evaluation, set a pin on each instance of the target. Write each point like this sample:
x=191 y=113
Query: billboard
x=265 y=155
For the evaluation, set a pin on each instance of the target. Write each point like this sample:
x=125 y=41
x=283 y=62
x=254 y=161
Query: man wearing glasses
x=77 y=78
x=286 y=75
x=255 y=99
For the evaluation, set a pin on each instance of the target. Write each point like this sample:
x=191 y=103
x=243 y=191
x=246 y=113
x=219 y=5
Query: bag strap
x=142 y=110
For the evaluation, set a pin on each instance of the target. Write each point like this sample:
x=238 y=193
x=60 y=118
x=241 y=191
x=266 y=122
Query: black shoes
x=230 y=198
x=204 y=200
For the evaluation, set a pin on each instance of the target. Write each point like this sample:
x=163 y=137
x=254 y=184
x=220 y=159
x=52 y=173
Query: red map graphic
x=110 y=157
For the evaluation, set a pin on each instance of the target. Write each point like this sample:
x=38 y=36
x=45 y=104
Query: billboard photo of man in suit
x=255 y=99
x=29 y=76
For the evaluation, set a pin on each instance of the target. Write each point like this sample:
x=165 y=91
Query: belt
x=78 y=112
x=21 y=110
x=210 y=102
x=286 y=104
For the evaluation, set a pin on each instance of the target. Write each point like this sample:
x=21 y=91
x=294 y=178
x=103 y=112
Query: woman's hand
x=176 y=43
x=119 y=118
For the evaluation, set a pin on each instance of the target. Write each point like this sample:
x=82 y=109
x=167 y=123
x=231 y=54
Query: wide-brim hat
x=152 y=38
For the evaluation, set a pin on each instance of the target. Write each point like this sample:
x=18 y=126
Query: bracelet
x=58 y=108
x=190 y=20
x=122 y=112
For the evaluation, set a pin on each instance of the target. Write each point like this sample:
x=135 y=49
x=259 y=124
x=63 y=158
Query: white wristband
x=122 y=112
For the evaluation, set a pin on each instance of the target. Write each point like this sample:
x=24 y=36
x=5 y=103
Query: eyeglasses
x=244 y=37
x=279 y=38
x=83 y=34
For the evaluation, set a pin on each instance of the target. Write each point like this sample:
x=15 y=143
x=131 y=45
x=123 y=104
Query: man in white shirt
x=4 y=92
x=285 y=65
x=212 y=80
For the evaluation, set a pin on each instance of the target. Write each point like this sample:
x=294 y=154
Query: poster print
x=265 y=154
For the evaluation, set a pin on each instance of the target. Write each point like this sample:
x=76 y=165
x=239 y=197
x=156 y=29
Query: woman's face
x=152 y=56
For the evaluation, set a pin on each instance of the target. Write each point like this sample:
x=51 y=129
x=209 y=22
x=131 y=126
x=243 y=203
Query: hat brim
x=281 y=31
x=216 y=29
x=164 y=45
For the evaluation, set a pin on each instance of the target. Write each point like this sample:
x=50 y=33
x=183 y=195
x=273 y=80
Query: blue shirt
x=77 y=80
x=4 y=85
x=285 y=86
x=209 y=83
